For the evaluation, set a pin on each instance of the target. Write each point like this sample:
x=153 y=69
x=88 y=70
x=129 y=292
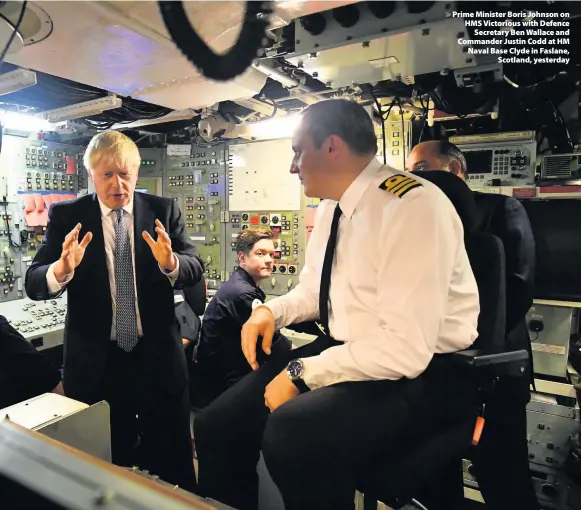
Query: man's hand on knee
x=260 y=323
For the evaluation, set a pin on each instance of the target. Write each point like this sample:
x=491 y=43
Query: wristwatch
x=295 y=371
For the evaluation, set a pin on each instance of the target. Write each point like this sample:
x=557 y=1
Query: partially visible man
x=24 y=372
x=190 y=303
x=122 y=341
x=219 y=360
x=505 y=433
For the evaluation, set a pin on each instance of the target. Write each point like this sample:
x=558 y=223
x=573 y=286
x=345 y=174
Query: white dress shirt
x=402 y=286
x=108 y=222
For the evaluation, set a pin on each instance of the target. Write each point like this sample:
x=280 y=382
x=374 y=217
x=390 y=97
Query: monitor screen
x=478 y=161
x=556 y=226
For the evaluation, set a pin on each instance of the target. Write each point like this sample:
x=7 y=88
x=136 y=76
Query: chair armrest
x=478 y=358
x=307 y=327
x=487 y=364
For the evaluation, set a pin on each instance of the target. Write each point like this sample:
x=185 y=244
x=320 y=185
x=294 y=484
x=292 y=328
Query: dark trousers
x=316 y=444
x=501 y=458
x=150 y=427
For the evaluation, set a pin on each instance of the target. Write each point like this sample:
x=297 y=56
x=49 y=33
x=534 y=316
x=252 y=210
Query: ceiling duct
x=385 y=42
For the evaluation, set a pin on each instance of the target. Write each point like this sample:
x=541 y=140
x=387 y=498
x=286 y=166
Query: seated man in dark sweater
x=220 y=362
x=24 y=372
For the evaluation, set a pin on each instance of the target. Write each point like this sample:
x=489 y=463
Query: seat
x=431 y=470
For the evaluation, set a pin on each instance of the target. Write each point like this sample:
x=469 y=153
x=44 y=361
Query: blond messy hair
x=113 y=148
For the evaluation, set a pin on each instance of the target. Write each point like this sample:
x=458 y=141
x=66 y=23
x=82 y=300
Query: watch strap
x=301 y=385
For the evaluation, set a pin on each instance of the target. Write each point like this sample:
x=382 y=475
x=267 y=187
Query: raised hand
x=161 y=249
x=72 y=253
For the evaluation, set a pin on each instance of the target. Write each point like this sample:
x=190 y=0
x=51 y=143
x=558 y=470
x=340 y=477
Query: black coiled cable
x=214 y=66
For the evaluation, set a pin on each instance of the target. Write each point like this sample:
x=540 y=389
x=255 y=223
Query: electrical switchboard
x=33 y=175
x=197 y=181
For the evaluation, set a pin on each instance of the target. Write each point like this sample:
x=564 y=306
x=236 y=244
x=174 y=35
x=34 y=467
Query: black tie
x=326 y=272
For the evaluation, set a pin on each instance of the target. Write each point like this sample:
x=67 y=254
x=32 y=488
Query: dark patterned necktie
x=125 y=317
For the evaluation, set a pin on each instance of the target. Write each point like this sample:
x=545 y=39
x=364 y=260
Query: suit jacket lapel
x=96 y=249
x=95 y=260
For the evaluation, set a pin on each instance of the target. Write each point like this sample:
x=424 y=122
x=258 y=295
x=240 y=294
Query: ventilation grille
x=562 y=166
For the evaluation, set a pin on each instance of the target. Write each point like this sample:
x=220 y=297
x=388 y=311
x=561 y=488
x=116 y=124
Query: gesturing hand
x=161 y=249
x=72 y=253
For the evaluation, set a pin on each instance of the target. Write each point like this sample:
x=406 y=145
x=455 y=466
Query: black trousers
x=316 y=444
x=501 y=458
x=150 y=427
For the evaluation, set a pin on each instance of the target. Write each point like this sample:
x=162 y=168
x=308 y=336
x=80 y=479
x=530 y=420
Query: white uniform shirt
x=108 y=217
x=402 y=288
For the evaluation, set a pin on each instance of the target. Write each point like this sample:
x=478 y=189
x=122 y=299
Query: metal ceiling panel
x=123 y=47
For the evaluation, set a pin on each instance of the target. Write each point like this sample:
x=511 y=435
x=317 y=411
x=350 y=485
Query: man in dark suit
x=122 y=340
x=505 y=434
x=190 y=304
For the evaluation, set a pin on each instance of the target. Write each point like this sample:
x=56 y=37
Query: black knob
x=381 y=10
x=314 y=24
x=417 y=7
x=346 y=16
x=549 y=490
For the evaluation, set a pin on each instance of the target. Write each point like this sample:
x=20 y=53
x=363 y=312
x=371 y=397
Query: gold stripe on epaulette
x=399 y=184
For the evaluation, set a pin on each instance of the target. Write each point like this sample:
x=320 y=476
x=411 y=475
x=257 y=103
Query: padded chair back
x=457 y=192
x=486 y=255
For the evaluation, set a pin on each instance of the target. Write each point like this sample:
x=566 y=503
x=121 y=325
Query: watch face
x=295 y=369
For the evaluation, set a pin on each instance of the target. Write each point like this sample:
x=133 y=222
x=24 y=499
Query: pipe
x=275 y=74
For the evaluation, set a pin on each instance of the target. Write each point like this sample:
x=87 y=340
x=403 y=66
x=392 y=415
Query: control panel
x=397 y=143
x=51 y=167
x=34 y=174
x=550 y=329
x=150 y=171
x=290 y=229
x=549 y=431
x=197 y=181
x=40 y=322
x=499 y=159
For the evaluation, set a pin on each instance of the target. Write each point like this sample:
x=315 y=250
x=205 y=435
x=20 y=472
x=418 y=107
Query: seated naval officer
x=397 y=290
x=220 y=362
x=24 y=372
x=505 y=433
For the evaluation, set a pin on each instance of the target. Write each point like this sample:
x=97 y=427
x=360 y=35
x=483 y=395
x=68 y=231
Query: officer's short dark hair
x=247 y=238
x=450 y=151
x=346 y=119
